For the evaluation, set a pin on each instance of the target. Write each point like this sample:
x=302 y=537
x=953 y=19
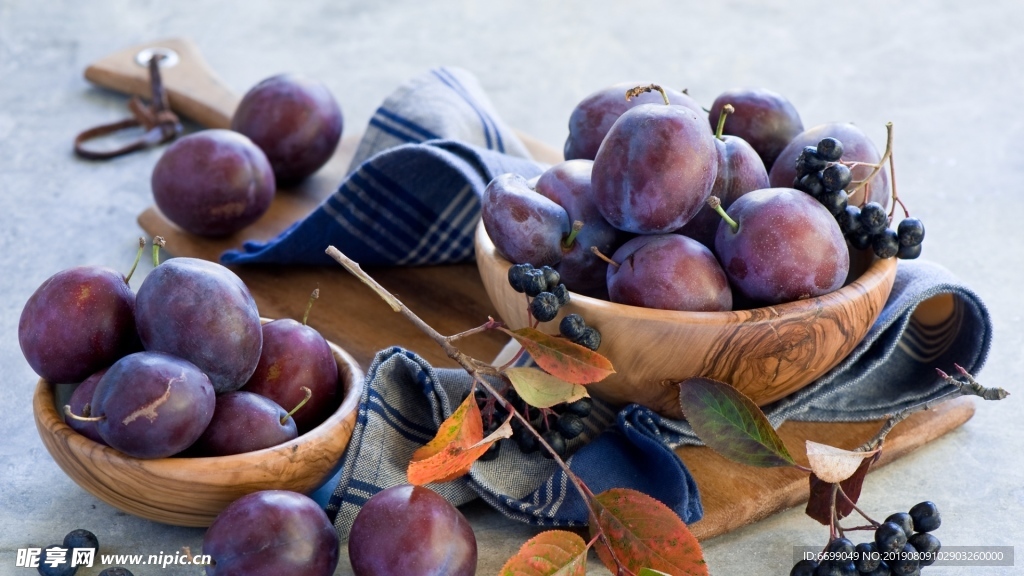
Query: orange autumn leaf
x=464 y=427
x=550 y=553
x=459 y=442
x=559 y=357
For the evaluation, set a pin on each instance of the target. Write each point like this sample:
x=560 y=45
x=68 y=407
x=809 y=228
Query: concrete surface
x=947 y=73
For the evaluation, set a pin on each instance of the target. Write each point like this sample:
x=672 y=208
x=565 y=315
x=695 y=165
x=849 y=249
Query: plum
x=668 y=272
x=244 y=422
x=654 y=169
x=765 y=119
x=296 y=356
x=411 y=531
x=213 y=183
x=740 y=170
x=785 y=246
x=81 y=405
x=152 y=404
x=202 y=312
x=294 y=120
x=271 y=533
x=525 y=226
x=857 y=147
x=568 y=185
x=78 y=321
x=594 y=115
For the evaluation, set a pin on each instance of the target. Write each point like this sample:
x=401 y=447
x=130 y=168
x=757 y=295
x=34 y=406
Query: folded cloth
x=412 y=198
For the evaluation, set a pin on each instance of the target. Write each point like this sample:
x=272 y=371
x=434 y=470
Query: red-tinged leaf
x=832 y=464
x=542 y=390
x=731 y=424
x=562 y=358
x=464 y=428
x=819 y=501
x=454 y=460
x=644 y=533
x=551 y=553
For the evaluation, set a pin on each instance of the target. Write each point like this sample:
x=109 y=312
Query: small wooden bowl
x=766 y=353
x=192 y=491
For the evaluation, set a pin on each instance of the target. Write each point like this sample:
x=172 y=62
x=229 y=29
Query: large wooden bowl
x=192 y=491
x=766 y=353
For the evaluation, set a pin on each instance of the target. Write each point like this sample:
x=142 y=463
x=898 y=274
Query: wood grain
x=192 y=491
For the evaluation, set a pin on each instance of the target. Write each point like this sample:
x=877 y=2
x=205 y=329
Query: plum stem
x=726 y=110
x=634 y=92
x=881 y=162
x=716 y=204
x=73 y=416
x=158 y=241
x=309 y=394
x=577 y=225
x=309 y=305
x=138 y=256
x=598 y=253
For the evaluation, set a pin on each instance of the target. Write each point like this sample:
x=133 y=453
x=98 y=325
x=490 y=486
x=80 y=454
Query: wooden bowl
x=192 y=491
x=766 y=353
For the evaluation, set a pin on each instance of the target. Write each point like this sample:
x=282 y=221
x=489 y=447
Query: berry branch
x=881 y=162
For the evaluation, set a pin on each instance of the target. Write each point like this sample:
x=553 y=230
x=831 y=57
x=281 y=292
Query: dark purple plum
x=655 y=169
x=271 y=533
x=568 y=185
x=668 y=272
x=153 y=404
x=296 y=356
x=595 y=114
x=78 y=321
x=213 y=183
x=202 y=312
x=81 y=405
x=526 y=227
x=411 y=530
x=857 y=147
x=765 y=119
x=295 y=120
x=740 y=170
x=244 y=422
x=786 y=247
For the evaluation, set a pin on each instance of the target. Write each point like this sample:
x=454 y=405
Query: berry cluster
x=903 y=544
x=61 y=563
x=820 y=174
x=548 y=294
x=556 y=425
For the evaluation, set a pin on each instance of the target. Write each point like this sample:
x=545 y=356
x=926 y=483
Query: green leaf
x=550 y=553
x=731 y=424
x=560 y=357
x=542 y=390
x=642 y=532
x=650 y=572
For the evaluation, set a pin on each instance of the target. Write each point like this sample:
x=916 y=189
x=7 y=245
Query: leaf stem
x=491 y=324
x=854 y=505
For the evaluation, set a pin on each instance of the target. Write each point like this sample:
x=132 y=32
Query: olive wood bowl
x=766 y=353
x=192 y=491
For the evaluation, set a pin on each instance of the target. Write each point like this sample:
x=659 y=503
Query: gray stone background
x=947 y=73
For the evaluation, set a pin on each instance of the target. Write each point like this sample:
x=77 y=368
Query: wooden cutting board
x=450 y=298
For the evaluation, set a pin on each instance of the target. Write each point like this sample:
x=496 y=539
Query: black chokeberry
x=836 y=177
x=830 y=149
x=906 y=562
x=811 y=184
x=809 y=161
x=926 y=516
x=842 y=548
x=881 y=570
x=572 y=326
x=889 y=537
x=525 y=439
x=834 y=201
x=81 y=538
x=927 y=544
x=804 y=568
x=835 y=568
x=910 y=231
x=904 y=520
x=492 y=451
x=590 y=338
x=908 y=252
x=861 y=239
x=551 y=276
x=516 y=275
x=64 y=568
x=555 y=440
x=533 y=282
x=562 y=293
x=886 y=244
x=544 y=307
x=868 y=557
x=116 y=571
x=581 y=407
x=849 y=220
x=570 y=425
x=873 y=218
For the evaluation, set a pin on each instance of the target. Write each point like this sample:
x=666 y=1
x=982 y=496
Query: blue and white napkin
x=412 y=198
